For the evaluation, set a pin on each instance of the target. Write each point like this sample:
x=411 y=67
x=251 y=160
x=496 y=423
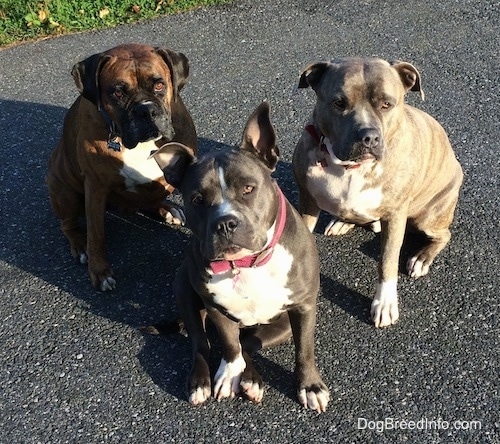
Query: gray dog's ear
x=409 y=76
x=178 y=65
x=259 y=137
x=86 y=76
x=312 y=74
x=173 y=158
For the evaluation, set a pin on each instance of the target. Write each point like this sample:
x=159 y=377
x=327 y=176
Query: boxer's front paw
x=102 y=280
x=384 y=310
x=338 y=227
x=228 y=377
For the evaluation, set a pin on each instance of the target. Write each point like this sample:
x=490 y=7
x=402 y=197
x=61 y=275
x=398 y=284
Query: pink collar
x=319 y=139
x=263 y=257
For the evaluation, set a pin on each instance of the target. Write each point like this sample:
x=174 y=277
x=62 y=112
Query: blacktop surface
x=74 y=366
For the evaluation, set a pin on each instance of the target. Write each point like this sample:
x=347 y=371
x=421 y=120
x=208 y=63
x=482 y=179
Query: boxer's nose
x=146 y=109
x=226 y=225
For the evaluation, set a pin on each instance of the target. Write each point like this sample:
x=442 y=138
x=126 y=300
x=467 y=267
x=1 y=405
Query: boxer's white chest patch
x=255 y=295
x=344 y=192
x=138 y=168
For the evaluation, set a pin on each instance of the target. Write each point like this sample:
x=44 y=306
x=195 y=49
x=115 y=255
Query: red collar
x=263 y=257
x=319 y=140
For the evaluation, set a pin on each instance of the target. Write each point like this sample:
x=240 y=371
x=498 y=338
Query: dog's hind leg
x=69 y=205
x=435 y=225
x=193 y=314
x=254 y=339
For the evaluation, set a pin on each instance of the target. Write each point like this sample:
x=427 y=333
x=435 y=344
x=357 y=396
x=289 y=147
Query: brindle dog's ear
x=259 y=137
x=86 y=76
x=178 y=65
x=409 y=76
x=312 y=74
x=173 y=158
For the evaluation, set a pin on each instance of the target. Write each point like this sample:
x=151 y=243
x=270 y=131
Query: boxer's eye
x=248 y=189
x=159 y=87
x=340 y=104
x=118 y=93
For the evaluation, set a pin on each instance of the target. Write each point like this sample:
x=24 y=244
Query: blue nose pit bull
x=367 y=158
x=252 y=266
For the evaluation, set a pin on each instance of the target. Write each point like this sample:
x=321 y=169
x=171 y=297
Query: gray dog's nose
x=370 y=137
x=226 y=225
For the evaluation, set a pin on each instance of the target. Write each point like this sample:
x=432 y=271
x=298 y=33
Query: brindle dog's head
x=359 y=102
x=135 y=85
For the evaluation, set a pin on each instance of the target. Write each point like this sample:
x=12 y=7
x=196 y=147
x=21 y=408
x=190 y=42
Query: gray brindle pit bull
x=367 y=158
x=252 y=266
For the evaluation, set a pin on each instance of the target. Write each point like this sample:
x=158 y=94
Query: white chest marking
x=343 y=193
x=255 y=295
x=138 y=168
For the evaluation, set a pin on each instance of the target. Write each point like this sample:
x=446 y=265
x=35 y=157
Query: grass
x=22 y=21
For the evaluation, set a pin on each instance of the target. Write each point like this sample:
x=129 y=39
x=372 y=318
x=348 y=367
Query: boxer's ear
x=409 y=76
x=86 y=76
x=178 y=65
x=311 y=75
x=259 y=137
x=173 y=158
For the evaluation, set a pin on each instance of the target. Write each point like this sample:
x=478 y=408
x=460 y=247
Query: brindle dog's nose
x=226 y=225
x=370 y=137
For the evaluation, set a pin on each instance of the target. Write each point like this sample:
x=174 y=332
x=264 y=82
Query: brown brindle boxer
x=128 y=107
x=368 y=158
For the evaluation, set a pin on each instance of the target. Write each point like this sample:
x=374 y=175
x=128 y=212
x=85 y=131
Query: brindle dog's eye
x=118 y=93
x=248 y=189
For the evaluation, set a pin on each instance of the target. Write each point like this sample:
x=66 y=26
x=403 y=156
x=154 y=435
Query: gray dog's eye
x=340 y=104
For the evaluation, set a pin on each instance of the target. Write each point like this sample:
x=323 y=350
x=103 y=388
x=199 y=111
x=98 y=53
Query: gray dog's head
x=230 y=198
x=359 y=102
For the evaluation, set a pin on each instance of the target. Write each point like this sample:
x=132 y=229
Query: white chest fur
x=138 y=168
x=344 y=192
x=255 y=295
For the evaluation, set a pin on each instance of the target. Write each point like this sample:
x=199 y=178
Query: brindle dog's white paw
x=314 y=399
x=338 y=227
x=228 y=377
x=417 y=266
x=376 y=226
x=384 y=310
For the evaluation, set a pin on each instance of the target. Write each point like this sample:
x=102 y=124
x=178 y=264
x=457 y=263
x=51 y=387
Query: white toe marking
x=175 y=216
x=384 y=310
x=338 y=227
x=199 y=396
x=228 y=377
x=314 y=401
x=83 y=258
x=416 y=267
x=253 y=391
x=376 y=227
x=108 y=284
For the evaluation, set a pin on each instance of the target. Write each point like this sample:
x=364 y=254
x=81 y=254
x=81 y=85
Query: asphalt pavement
x=74 y=366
